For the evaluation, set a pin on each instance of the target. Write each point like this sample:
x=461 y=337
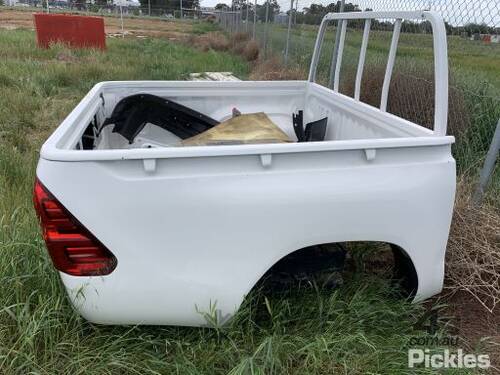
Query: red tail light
x=73 y=249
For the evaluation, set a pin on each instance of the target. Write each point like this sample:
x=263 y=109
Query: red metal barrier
x=76 y=31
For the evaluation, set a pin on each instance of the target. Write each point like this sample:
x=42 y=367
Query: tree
x=162 y=6
x=315 y=12
x=101 y=2
x=473 y=28
x=273 y=8
x=237 y=4
x=221 y=6
x=79 y=4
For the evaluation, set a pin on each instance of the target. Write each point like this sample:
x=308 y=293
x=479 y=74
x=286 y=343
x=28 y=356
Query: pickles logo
x=447 y=359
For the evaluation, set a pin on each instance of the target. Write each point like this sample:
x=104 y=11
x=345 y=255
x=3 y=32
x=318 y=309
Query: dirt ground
x=133 y=27
x=479 y=328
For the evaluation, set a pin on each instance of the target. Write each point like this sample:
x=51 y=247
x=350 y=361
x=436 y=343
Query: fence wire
x=286 y=31
x=289 y=31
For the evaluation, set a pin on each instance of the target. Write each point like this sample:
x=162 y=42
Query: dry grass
x=239 y=44
x=239 y=38
x=251 y=51
x=411 y=97
x=210 y=41
x=473 y=256
x=476 y=326
x=274 y=70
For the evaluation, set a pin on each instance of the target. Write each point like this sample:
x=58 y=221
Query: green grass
x=39 y=87
x=202 y=27
x=363 y=327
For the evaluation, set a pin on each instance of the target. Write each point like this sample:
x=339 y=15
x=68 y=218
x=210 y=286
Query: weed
x=272 y=69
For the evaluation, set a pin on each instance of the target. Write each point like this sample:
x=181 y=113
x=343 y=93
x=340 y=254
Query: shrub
x=251 y=51
x=212 y=40
x=273 y=69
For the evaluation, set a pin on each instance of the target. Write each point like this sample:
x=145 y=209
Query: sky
x=454 y=11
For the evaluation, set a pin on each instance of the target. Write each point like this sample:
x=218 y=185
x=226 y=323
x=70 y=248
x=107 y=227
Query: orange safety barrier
x=76 y=31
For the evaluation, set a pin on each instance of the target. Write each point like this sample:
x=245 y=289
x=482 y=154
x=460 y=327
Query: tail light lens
x=73 y=249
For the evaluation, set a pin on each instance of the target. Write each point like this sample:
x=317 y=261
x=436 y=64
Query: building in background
x=281 y=18
x=127 y=3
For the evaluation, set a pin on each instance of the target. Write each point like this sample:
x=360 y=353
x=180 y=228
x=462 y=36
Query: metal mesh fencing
x=286 y=31
x=107 y=8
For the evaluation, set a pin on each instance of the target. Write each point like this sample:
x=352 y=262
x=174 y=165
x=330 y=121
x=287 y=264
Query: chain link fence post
x=335 y=53
x=488 y=167
x=254 y=19
x=247 y=5
x=266 y=29
x=290 y=15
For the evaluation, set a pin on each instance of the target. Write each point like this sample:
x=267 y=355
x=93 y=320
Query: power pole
x=181 y=11
x=149 y=8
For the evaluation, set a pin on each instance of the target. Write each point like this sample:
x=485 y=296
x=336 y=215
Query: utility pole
x=149 y=8
x=182 y=16
x=290 y=14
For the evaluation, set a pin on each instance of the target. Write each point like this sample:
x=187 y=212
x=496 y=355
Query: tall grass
x=363 y=327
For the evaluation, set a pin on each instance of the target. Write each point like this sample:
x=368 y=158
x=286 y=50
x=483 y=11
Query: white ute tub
x=196 y=227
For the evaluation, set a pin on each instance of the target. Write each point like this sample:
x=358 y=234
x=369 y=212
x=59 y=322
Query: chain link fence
x=126 y=7
x=286 y=31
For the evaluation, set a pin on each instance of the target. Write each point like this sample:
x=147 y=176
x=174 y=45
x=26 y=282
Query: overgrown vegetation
x=239 y=43
x=363 y=327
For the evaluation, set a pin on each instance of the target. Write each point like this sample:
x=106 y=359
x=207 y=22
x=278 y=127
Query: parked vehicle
x=147 y=231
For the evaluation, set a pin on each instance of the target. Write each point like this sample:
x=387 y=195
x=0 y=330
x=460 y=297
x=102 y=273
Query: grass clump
x=239 y=44
x=211 y=41
x=473 y=257
x=273 y=69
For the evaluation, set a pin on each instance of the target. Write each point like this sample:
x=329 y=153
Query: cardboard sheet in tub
x=242 y=129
